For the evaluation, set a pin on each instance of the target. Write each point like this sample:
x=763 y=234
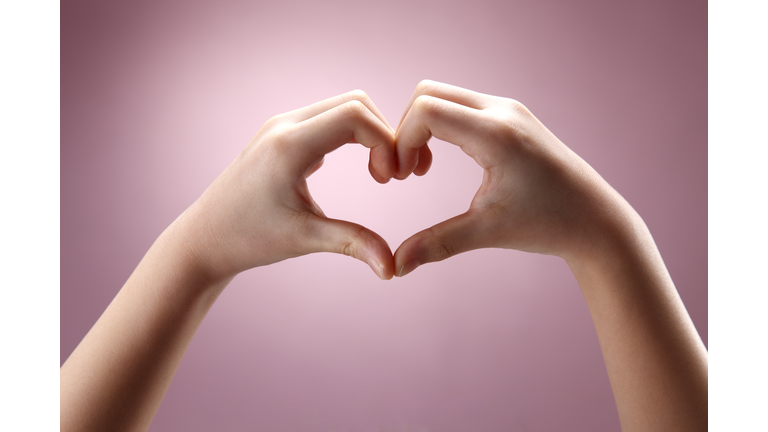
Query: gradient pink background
x=158 y=97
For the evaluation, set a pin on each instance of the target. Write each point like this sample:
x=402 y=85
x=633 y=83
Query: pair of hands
x=536 y=194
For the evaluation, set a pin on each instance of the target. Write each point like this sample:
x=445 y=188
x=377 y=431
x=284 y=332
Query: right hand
x=536 y=195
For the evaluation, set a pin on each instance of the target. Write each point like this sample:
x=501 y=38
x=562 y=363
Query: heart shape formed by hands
x=536 y=194
x=533 y=190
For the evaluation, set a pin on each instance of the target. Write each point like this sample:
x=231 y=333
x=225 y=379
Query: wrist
x=617 y=237
x=192 y=242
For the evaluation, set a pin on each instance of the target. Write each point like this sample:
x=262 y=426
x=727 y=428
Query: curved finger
x=376 y=176
x=451 y=237
x=356 y=241
x=310 y=111
x=351 y=121
x=430 y=116
x=425 y=160
x=461 y=96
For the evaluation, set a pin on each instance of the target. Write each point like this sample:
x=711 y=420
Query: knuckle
x=438 y=248
x=516 y=106
x=504 y=125
x=426 y=105
x=351 y=244
x=354 y=108
x=441 y=251
x=347 y=248
x=425 y=86
x=358 y=95
x=508 y=120
x=281 y=138
x=273 y=122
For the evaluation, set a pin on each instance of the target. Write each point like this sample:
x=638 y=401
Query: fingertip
x=375 y=174
x=384 y=272
x=353 y=240
x=408 y=267
x=405 y=263
x=406 y=165
x=406 y=257
x=401 y=176
x=381 y=160
x=382 y=266
x=410 y=158
x=425 y=161
x=375 y=252
x=377 y=268
x=420 y=171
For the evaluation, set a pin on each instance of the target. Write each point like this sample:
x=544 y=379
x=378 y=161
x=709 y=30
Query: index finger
x=316 y=108
x=449 y=121
x=351 y=121
x=450 y=93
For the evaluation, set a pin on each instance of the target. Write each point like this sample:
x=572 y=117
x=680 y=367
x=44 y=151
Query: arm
x=257 y=212
x=539 y=196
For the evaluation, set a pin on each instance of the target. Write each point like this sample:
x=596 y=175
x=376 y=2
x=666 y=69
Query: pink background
x=157 y=97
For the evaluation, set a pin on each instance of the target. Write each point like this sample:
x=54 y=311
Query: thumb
x=351 y=239
x=459 y=234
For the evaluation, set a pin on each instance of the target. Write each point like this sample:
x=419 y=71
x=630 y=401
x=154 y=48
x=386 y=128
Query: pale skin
x=536 y=196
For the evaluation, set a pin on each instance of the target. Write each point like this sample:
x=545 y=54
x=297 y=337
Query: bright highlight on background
x=158 y=97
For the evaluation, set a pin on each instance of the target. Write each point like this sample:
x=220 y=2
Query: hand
x=539 y=196
x=536 y=194
x=259 y=210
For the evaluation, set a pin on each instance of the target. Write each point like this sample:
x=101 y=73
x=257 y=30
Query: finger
x=347 y=238
x=313 y=138
x=310 y=111
x=459 y=234
x=448 y=92
x=430 y=116
x=376 y=176
x=425 y=160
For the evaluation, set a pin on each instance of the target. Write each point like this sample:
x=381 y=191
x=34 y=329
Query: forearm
x=257 y=212
x=656 y=361
x=117 y=376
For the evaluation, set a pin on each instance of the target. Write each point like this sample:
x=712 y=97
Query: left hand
x=259 y=210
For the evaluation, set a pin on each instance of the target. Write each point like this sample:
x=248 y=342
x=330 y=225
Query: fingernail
x=409 y=267
x=377 y=268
